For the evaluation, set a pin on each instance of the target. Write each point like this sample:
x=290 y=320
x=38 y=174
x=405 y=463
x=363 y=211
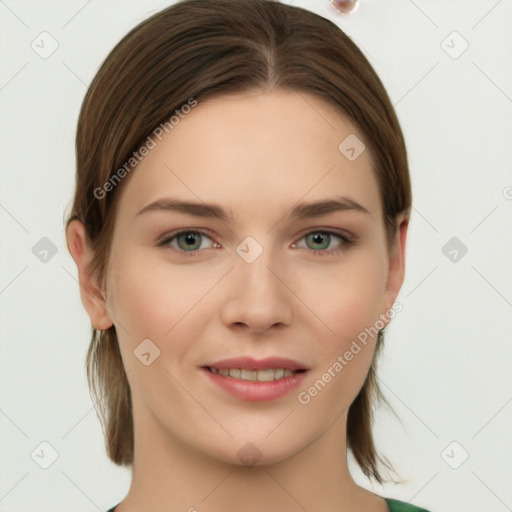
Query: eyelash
x=323 y=252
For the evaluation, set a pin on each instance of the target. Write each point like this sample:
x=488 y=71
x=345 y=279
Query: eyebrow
x=299 y=212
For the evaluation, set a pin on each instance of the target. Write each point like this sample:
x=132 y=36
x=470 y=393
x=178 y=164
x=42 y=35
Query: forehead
x=253 y=152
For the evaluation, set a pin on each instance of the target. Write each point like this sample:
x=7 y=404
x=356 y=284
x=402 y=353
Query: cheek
x=344 y=300
x=138 y=305
x=148 y=302
x=158 y=301
x=348 y=305
x=143 y=300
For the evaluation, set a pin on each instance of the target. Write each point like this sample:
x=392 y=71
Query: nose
x=259 y=296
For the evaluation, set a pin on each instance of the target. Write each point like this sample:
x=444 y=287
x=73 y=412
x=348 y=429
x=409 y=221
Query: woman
x=239 y=226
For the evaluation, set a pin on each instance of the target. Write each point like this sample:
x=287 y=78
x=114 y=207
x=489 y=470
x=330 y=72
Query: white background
x=446 y=367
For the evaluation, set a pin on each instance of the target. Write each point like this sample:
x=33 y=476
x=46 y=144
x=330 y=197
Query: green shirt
x=402 y=506
x=394 y=506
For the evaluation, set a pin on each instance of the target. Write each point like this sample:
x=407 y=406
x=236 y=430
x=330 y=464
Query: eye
x=187 y=240
x=323 y=239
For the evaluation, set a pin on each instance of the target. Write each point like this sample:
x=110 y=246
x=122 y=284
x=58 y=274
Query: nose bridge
x=253 y=269
x=258 y=298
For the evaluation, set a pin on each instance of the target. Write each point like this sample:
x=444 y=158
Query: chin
x=255 y=453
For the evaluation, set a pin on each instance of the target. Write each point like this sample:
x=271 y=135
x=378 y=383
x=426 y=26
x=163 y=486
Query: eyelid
x=177 y=231
x=343 y=233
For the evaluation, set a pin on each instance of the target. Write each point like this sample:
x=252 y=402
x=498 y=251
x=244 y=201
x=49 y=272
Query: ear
x=90 y=291
x=396 y=270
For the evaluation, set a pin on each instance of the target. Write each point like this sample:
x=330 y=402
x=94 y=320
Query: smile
x=254 y=375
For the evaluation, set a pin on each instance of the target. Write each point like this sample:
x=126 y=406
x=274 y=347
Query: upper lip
x=249 y=363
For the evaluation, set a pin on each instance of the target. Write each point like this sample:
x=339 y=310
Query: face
x=263 y=281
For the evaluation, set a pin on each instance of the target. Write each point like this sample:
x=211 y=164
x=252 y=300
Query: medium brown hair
x=198 y=49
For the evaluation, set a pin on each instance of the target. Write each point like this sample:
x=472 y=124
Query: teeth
x=254 y=375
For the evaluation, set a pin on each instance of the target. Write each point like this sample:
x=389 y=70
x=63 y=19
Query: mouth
x=265 y=375
x=256 y=380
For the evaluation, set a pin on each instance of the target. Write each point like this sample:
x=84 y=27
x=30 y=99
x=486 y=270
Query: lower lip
x=255 y=391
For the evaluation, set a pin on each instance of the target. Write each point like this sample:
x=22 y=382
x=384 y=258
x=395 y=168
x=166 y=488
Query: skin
x=257 y=155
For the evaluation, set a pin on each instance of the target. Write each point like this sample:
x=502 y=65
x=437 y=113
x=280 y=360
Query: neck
x=173 y=476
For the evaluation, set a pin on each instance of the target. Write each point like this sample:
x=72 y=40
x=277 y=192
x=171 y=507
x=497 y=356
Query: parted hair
x=199 y=49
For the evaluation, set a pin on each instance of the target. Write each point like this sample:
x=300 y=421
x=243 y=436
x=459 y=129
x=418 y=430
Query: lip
x=255 y=391
x=249 y=363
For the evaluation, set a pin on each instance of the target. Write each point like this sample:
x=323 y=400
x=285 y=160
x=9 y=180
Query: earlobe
x=91 y=294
